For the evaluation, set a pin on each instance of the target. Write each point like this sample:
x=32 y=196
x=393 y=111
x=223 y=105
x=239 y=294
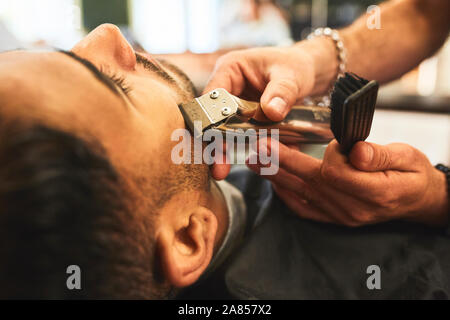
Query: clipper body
x=220 y=110
x=349 y=117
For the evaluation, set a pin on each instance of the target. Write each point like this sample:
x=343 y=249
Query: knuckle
x=408 y=153
x=330 y=173
x=353 y=224
x=287 y=85
x=363 y=218
x=378 y=196
x=384 y=160
x=416 y=155
x=315 y=179
x=229 y=58
x=333 y=145
x=305 y=194
x=386 y=199
x=360 y=218
x=390 y=204
x=223 y=61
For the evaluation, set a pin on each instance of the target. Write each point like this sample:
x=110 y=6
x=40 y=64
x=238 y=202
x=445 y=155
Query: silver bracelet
x=341 y=56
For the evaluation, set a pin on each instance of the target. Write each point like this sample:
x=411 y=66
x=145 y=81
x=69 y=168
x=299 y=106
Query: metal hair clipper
x=349 y=121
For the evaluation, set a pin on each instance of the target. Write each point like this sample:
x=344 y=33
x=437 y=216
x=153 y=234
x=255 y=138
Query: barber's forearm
x=411 y=30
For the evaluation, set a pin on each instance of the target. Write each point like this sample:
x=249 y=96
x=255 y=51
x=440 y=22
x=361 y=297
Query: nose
x=106 y=42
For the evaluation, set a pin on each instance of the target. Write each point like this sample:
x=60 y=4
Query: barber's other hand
x=278 y=77
x=374 y=184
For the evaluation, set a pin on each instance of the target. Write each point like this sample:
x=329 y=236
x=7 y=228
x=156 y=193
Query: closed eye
x=121 y=83
x=117 y=78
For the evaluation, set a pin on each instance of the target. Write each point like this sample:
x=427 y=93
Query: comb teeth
x=352 y=107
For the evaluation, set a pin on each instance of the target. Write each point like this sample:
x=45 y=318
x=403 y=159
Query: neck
x=217 y=204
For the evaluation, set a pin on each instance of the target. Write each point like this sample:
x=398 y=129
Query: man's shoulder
x=256 y=191
x=248 y=182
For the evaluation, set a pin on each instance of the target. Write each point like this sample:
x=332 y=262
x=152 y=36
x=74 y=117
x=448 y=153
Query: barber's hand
x=374 y=184
x=277 y=77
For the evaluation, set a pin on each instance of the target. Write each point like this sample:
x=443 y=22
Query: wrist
x=443 y=203
x=326 y=65
x=440 y=205
x=435 y=208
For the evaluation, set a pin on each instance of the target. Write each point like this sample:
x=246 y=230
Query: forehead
x=52 y=88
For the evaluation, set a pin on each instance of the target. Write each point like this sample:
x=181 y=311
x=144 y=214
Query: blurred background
x=414 y=109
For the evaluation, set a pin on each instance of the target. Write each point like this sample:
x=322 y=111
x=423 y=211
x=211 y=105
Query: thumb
x=370 y=157
x=279 y=96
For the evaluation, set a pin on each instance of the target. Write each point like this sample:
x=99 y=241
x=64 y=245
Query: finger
x=361 y=187
x=396 y=156
x=325 y=193
x=227 y=75
x=222 y=165
x=338 y=172
x=331 y=202
x=322 y=196
x=284 y=179
x=319 y=194
x=222 y=79
x=295 y=162
x=220 y=171
x=357 y=216
x=280 y=94
x=261 y=117
x=294 y=146
x=301 y=207
x=317 y=197
x=333 y=154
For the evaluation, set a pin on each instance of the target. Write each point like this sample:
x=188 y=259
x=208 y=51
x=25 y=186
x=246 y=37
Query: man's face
x=102 y=90
x=131 y=107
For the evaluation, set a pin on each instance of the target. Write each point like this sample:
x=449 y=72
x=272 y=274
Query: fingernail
x=278 y=105
x=368 y=153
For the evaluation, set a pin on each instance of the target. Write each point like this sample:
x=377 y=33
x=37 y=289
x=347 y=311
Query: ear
x=186 y=252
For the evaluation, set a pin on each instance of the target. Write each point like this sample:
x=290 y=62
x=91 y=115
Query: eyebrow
x=141 y=60
x=150 y=66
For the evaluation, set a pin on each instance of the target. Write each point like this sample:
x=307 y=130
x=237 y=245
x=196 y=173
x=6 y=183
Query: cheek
x=164 y=121
x=155 y=128
x=157 y=104
x=165 y=116
x=174 y=118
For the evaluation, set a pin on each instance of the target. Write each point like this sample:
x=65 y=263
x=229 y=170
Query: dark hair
x=62 y=203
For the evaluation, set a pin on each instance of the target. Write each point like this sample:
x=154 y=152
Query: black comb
x=352 y=107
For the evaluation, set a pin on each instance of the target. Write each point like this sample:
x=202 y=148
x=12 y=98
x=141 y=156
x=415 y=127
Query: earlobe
x=186 y=253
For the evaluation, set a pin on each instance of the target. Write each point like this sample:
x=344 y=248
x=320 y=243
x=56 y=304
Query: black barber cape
x=286 y=257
